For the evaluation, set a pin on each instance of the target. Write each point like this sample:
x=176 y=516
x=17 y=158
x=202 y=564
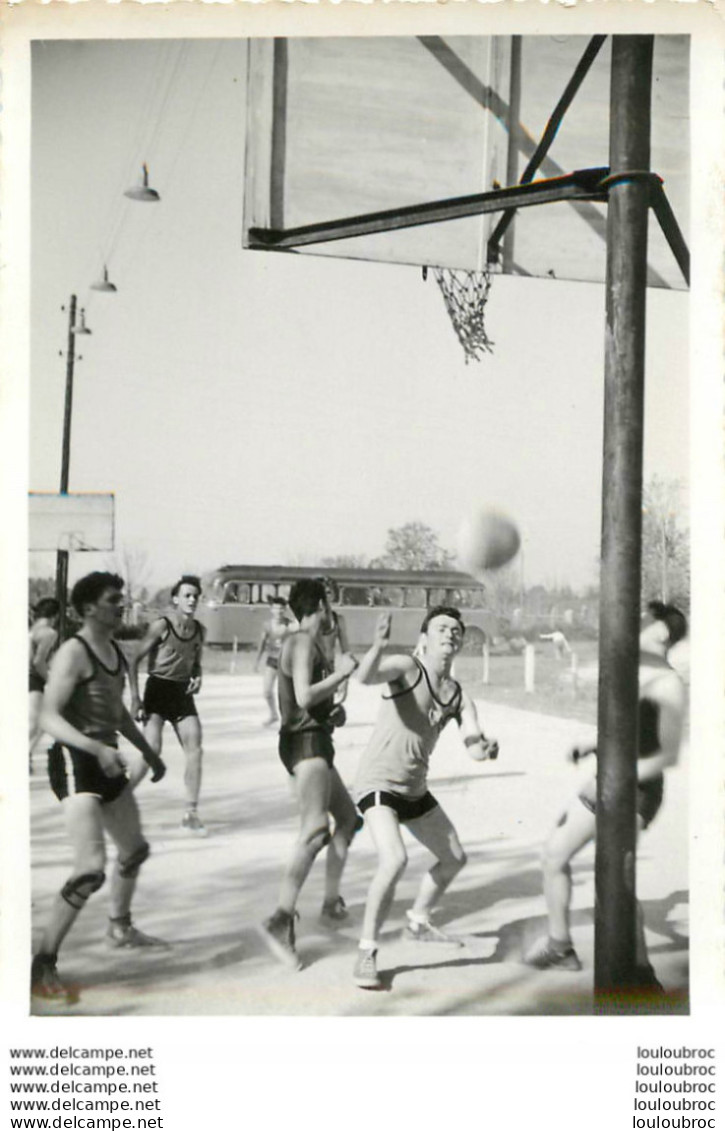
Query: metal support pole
x=615 y=915
x=61 y=568
x=512 y=161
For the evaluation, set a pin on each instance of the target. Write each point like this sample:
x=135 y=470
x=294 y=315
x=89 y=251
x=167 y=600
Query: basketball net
x=465 y=294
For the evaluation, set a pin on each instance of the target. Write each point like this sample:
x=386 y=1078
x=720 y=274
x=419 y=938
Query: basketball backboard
x=70 y=522
x=341 y=128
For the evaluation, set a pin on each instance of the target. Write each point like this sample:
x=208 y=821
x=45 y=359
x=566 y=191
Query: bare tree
x=665 y=542
x=134 y=567
x=414 y=546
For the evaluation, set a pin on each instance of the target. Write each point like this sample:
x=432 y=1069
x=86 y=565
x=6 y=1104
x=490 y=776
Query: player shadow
x=511 y=942
x=657 y=918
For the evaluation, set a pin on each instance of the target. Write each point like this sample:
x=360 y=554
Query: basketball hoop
x=465 y=294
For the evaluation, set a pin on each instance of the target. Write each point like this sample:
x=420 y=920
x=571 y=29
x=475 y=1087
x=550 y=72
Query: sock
x=417 y=918
x=367 y=944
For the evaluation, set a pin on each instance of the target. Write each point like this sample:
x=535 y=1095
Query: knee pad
x=319 y=838
x=130 y=867
x=80 y=888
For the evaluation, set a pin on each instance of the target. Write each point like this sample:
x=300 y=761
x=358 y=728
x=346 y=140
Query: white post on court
x=233 y=662
x=574 y=672
x=486 y=663
x=529 y=668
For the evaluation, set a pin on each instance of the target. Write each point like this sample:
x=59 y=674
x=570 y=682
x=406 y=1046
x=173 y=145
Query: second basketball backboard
x=341 y=128
x=70 y=522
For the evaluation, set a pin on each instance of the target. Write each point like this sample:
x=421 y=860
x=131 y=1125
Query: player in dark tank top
x=662 y=702
x=84 y=712
x=306 y=700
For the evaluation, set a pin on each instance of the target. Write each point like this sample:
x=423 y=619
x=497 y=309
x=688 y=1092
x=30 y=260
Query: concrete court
x=206 y=896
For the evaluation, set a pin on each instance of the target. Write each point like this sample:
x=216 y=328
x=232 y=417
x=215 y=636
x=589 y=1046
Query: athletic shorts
x=407 y=808
x=35 y=682
x=72 y=771
x=272 y=662
x=168 y=698
x=649 y=799
x=301 y=745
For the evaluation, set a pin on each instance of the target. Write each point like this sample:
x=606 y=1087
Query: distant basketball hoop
x=74 y=523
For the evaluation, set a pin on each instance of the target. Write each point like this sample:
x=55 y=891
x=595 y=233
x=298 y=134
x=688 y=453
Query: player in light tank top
x=391 y=787
x=84 y=711
x=174 y=645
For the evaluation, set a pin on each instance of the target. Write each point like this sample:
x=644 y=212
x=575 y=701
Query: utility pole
x=61 y=568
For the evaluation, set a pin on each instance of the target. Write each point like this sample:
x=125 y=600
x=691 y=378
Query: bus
x=235 y=602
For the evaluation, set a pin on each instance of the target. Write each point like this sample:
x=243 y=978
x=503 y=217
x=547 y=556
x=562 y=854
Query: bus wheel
x=473 y=641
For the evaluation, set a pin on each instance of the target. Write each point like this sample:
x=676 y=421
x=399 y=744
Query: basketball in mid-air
x=487 y=539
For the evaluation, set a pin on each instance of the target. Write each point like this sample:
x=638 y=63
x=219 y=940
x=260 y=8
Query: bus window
x=414 y=598
x=236 y=593
x=216 y=591
x=355 y=595
x=436 y=597
x=284 y=591
x=393 y=596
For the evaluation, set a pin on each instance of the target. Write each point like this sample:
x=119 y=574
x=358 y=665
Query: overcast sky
x=244 y=406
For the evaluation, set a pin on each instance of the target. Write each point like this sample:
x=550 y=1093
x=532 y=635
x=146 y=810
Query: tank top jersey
x=96 y=706
x=407 y=729
x=175 y=656
x=296 y=719
x=649 y=718
x=328 y=635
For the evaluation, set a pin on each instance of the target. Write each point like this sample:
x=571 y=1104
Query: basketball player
x=270 y=646
x=306 y=697
x=661 y=712
x=42 y=643
x=174 y=645
x=391 y=787
x=83 y=711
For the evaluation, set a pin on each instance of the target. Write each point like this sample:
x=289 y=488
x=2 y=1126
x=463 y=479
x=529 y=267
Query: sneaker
x=545 y=955
x=365 y=973
x=121 y=933
x=193 y=823
x=45 y=981
x=278 y=933
x=334 y=911
x=427 y=932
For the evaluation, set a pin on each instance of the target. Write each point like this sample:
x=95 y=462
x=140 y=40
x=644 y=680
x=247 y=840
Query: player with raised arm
x=391 y=787
x=662 y=700
x=306 y=698
x=42 y=643
x=83 y=711
x=174 y=644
